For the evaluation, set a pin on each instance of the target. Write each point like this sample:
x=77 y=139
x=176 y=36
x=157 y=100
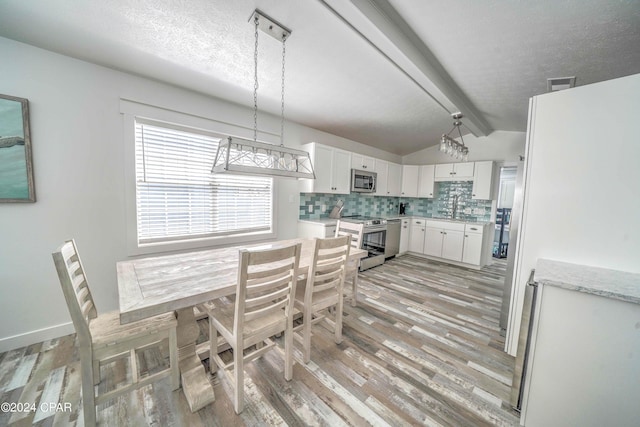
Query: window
x=177 y=196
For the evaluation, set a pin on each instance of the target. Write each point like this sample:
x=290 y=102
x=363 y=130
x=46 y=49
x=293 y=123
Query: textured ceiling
x=383 y=73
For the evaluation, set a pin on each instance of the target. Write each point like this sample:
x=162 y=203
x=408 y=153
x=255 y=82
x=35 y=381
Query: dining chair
x=102 y=339
x=263 y=308
x=344 y=228
x=322 y=289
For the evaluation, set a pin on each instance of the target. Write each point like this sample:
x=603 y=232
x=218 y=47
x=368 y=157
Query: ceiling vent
x=560 y=83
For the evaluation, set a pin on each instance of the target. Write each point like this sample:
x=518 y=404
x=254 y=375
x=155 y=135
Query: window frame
x=187 y=122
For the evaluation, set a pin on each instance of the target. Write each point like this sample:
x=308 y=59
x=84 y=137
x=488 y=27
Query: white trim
x=37 y=336
x=132 y=109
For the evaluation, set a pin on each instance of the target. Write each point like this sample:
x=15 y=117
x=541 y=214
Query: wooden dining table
x=178 y=282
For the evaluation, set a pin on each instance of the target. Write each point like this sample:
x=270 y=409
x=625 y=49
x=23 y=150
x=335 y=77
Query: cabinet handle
x=473 y=195
x=466 y=235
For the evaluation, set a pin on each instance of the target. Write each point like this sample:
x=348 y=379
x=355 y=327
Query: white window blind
x=179 y=198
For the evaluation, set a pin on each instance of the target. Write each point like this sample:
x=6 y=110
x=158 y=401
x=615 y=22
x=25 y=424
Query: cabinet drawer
x=471 y=228
x=454 y=226
x=418 y=222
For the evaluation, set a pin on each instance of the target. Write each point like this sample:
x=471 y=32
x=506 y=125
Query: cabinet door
x=426 y=184
x=482 y=181
x=463 y=170
x=394 y=180
x=358 y=161
x=410 y=174
x=444 y=170
x=322 y=165
x=416 y=239
x=382 y=171
x=405 y=232
x=341 y=174
x=452 y=244
x=472 y=251
x=433 y=241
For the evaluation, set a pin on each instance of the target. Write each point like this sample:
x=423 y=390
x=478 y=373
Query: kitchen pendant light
x=245 y=156
x=452 y=147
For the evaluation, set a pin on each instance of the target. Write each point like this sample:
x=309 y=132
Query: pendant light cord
x=255 y=82
x=284 y=39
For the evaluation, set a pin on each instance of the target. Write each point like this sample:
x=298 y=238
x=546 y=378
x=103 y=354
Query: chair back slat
x=327 y=271
x=266 y=284
x=344 y=228
x=75 y=288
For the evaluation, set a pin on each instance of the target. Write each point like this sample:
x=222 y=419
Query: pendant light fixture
x=245 y=156
x=452 y=147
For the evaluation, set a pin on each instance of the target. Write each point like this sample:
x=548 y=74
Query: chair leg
x=88 y=389
x=213 y=347
x=288 y=352
x=306 y=336
x=238 y=371
x=173 y=359
x=354 y=284
x=338 y=321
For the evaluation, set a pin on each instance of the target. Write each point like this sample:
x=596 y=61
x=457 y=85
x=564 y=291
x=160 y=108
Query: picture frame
x=16 y=163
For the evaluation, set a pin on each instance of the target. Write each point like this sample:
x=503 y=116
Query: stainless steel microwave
x=363 y=181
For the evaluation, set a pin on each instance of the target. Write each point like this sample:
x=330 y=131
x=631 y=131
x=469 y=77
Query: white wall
x=501 y=146
x=78 y=155
x=582 y=183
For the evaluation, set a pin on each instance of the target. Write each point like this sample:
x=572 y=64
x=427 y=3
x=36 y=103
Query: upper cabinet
x=426 y=183
x=394 y=180
x=333 y=170
x=454 y=171
x=410 y=175
x=483 y=181
x=358 y=161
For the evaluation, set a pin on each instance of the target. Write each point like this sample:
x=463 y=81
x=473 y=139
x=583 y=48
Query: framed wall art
x=16 y=164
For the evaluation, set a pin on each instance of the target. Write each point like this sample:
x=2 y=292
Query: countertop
x=332 y=221
x=620 y=285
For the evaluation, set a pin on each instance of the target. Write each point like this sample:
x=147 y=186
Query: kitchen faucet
x=454 y=207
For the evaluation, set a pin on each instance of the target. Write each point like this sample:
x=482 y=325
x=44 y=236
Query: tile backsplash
x=364 y=204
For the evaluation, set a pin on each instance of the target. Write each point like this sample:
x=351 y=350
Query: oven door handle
x=374 y=229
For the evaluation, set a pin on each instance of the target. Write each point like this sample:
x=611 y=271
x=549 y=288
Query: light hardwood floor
x=421 y=348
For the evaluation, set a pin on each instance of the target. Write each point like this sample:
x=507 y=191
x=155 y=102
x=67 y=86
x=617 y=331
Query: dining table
x=179 y=282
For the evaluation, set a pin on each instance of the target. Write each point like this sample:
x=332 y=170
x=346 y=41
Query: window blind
x=179 y=198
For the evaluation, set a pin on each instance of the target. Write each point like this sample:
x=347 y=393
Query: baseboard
x=23 y=340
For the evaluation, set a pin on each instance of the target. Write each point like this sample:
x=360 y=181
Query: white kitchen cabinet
x=405 y=232
x=333 y=170
x=394 y=180
x=382 y=178
x=358 y=161
x=319 y=229
x=426 y=182
x=433 y=241
x=473 y=242
x=444 y=239
x=454 y=171
x=482 y=181
x=410 y=176
x=416 y=235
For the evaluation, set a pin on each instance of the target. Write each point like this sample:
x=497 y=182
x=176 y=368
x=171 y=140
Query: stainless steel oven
x=374 y=236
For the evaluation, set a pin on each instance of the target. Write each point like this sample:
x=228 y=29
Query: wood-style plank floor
x=423 y=347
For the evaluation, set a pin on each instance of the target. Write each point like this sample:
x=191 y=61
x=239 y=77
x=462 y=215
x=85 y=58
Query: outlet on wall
x=310 y=208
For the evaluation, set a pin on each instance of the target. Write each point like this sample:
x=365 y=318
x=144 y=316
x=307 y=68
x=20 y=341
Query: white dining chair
x=102 y=339
x=345 y=228
x=263 y=308
x=322 y=289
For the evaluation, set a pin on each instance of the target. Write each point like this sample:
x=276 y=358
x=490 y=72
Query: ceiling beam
x=384 y=29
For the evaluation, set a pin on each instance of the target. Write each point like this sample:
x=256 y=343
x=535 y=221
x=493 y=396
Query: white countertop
x=331 y=221
x=614 y=284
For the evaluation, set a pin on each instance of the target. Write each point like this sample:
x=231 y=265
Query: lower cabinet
x=473 y=242
x=405 y=232
x=321 y=230
x=444 y=240
x=416 y=236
